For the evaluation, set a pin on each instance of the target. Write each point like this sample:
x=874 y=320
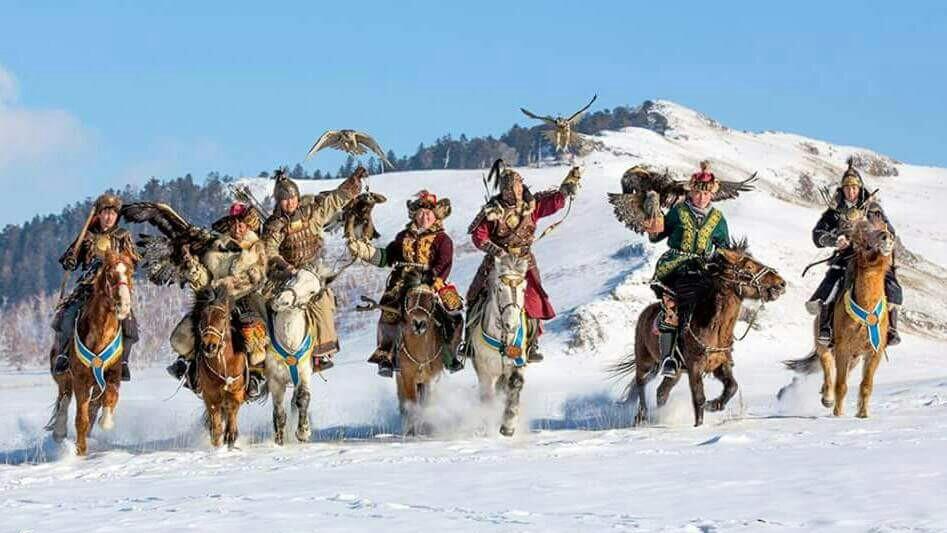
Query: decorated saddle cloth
x=291 y=357
x=321 y=316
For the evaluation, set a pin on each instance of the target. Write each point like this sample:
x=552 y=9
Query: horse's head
x=508 y=284
x=419 y=305
x=114 y=279
x=747 y=276
x=297 y=291
x=872 y=242
x=214 y=324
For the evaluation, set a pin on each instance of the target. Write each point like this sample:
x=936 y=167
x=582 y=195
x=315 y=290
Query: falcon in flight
x=349 y=141
x=561 y=135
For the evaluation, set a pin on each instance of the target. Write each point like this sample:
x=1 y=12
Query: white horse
x=289 y=355
x=499 y=341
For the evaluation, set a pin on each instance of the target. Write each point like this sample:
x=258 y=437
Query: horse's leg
x=109 y=401
x=301 y=398
x=214 y=422
x=277 y=386
x=231 y=408
x=869 y=367
x=827 y=358
x=407 y=397
x=664 y=389
x=725 y=374
x=60 y=419
x=842 y=362
x=511 y=412
x=641 y=383
x=82 y=418
x=696 y=379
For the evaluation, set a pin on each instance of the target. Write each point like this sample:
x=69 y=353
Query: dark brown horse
x=95 y=372
x=707 y=340
x=419 y=351
x=221 y=367
x=860 y=322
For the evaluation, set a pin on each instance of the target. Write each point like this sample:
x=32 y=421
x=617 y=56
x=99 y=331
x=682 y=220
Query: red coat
x=537 y=300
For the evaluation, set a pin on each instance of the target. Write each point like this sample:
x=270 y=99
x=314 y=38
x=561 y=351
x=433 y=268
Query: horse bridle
x=207 y=329
x=511 y=281
x=418 y=290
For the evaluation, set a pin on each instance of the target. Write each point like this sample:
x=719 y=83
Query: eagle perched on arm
x=164 y=256
x=646 y=192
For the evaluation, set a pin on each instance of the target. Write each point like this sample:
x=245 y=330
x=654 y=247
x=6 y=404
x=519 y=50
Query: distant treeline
x=29 y=251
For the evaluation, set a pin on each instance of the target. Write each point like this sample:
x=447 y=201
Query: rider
x=242 y=277
x=102 y=236
x=423 y=245
x=507 y=225
x=694 y=230
x=293 y=236
x=851 y=199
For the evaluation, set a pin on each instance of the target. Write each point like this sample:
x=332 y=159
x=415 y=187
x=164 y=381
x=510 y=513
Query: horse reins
x=220 y=335
x=421 y=290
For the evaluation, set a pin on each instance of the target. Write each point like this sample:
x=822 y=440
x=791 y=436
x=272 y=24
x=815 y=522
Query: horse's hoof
x=715 y=405
x=828 y=402
x=278 y=440
x=506 y=431
x=303 y=436
x=862 y=414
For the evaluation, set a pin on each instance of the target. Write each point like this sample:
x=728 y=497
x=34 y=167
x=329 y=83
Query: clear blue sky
x=106 y=93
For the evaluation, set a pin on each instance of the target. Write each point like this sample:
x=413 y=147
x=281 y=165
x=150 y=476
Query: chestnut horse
x=94 y=372
x=419 y=349
x=221 y=367
x=860 y=321
x=706 y=342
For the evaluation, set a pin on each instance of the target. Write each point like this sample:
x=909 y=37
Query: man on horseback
x=242 y=276
x=293 y=236
x=694 y=230
x=507 y=225
x=852 y=202
x=423 y=247
x=87 y=251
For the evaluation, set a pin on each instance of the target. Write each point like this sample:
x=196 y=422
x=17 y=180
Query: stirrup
x=61 y=364
x=670 y=366
x=386 y=369
x=256 y=386
x=456 y=365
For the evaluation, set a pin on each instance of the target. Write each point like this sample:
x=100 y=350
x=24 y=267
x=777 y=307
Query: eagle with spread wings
x=645 y=192
x=349 y=141
x=163 y=256
x=561 y=134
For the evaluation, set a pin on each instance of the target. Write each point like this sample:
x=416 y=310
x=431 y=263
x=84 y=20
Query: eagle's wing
x=732 y=189
x=331 y=138
x=669 y=189
x=163 y=256
x=161 y=216
x=529 y=114
x=577 y=116
x=635 y=210
x=367 y=141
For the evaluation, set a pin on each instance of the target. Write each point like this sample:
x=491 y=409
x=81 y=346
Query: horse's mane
x=706 y=309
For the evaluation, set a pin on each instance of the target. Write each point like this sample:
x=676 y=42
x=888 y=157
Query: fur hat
x=108 y=201
x=427 y=200
x=284 y=187
x=851 y=175
x=703 y=179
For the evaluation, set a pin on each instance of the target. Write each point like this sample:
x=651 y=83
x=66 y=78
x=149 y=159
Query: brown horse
x=707 y=340
x=95 y=355
x=419 y=351
x=221 y=367
x=860 y=321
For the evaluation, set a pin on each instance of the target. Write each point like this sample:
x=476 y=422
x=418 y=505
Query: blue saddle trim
x=518 y=342
x=870 y=319
x=99 y=362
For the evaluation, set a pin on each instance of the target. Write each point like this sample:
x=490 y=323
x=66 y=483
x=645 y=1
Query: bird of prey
x=561 y=135
x=646 y=192
x=349 y=141
x=163 y=256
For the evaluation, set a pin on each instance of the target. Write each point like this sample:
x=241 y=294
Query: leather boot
x=893 y=338
x=670 y=365
x=826 y=317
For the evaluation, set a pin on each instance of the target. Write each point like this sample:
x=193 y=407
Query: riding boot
x=893 y=338
x=382 y=356
x=256 y=384
x=532 y=349
x=322 y=363
x=178 y=368
x=64 y=325
x=454 y=332
x=61 y=363
x=129 y=338
x=826 y=317
x=126 y=353
x=670 y=365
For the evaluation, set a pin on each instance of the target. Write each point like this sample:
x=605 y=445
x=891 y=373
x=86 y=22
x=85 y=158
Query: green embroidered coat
x=687 y=239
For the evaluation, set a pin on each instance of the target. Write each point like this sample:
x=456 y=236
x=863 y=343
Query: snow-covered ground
x=575 y=464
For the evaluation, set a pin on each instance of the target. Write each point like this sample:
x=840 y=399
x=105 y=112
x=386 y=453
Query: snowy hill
x=575 y=464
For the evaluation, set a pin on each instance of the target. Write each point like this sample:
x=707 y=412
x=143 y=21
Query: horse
x=221 y=366
x=860 y=321
x=419 y=346
x=289 y=355
x=94 y=377
x=499 y=340
x=706 y=343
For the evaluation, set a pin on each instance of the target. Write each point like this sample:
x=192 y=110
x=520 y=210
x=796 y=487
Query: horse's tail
x=621 y=370
x=807 y=365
